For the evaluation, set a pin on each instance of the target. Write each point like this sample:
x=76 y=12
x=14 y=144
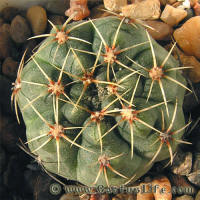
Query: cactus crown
x=101 y=101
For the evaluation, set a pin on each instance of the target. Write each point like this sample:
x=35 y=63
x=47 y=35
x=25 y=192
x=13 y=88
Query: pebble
x=5 y=28
x=114 y=5
x=164 y=2
x=37 y=18
x=10 y=67
x=5 y=45
x=194 y=176
x=9 y=13
x=20 y=30
x=188 y=38
x=162 y=31
x=193 y=2
x=193 y=73
x=178 y=181
x=172 y=16
x=145 y=10
x=80 y=7
x=197 y=196
x=182 y=163
x=196 y=9
x=184 y=197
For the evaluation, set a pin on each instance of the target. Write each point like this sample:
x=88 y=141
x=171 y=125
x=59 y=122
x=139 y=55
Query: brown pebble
x=162 y=31
x=194 y=72
x=196 y=9
x=9 y=13
x=197 y=196
x=20 y=30
x=37 y=18
x=5 y=45
x=162 y=182
x=187 y=37
x=10 y=67
x=172 y=16
x=179 y=181
x=145 y=10
x=193 y=2
x=5 y=28
x=182 y=163
x=184 y=197
x=114 y=5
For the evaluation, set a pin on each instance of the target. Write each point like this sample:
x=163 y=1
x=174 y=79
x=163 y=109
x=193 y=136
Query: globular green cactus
x=102 y=101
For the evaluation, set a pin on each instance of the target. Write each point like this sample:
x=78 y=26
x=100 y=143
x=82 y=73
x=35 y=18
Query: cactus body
x=91 y=111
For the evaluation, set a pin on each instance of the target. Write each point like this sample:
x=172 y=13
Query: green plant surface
x=102 y=101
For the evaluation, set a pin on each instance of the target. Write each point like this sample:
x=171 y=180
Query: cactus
x=102 y=101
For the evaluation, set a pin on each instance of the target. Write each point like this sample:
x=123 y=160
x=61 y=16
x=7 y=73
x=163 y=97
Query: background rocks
x=17 y=169
x=37 y=18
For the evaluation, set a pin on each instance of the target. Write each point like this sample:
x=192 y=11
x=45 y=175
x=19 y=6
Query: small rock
x=20 y=30
x=196 y=9
x=184 y=5
x=81 y=9
x=5 y=28
x=162 y=31
x=145 y=10
x=172 y=16
x=184 y=197
x=194 y=73
x=37 y=17
x=2 y=159
x=114 y=5
x=193 y=2
x=5 y=45
x=96 y=12
x=164 y=2
x=182 y=163
x=194 y=176
x=10 y=67
x=9 y=13
x=188 y=38
x=197 y=196
x=179 y=182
